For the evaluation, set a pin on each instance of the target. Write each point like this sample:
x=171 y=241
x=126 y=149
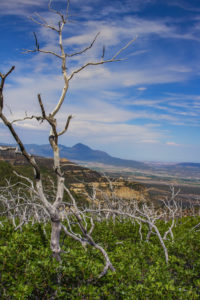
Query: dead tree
x=142 y=213
x=171 y=208
x=57 y=209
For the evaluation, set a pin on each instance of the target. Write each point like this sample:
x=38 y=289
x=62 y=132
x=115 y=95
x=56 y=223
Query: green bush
x=6 y=172
x=28 y=270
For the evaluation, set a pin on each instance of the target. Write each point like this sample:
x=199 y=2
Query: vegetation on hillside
x=28 y=270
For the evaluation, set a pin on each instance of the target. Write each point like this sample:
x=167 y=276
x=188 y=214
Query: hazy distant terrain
x=103 y=160
x=157 y=177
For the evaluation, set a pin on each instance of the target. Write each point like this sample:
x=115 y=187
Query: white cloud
x=19 y=7
x=107 y=133
x=172 y=144
x=152 y=76
x=180 y=68
x=142 y=88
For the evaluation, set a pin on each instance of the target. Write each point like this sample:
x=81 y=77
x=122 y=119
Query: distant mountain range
x=81 y=152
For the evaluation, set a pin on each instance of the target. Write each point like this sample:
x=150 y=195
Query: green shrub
x=28 y=270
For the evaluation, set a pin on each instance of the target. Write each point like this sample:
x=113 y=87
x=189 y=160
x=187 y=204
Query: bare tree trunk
x=55 y=239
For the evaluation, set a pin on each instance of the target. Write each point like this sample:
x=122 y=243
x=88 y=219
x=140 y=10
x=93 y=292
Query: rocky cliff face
x=12 y=156
x=81 y=180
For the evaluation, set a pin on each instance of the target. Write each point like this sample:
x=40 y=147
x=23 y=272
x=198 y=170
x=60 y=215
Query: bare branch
x=37 y=49
x=87 y=48
x=41 y=106
x=103 y=52
x=146 y=220
x=13 y=132
x=41 y=18
x=3 y=76
x=44 y=24
x=66 y=126
x=64 y=90
x=36 y=41
x=38 y=118
x=124 y=48
x=113 y=59
x=42 y=51
x=26 y=178
x=56 y=12
x=67 y=10
x=92 y=64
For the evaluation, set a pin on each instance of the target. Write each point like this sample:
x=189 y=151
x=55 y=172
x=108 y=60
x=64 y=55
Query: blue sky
x=146 y=107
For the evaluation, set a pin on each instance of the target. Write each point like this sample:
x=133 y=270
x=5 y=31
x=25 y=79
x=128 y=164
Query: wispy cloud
x=172 y=144
x=141 y=88
x=120 y=133
x=186 y=5
x=20 y=7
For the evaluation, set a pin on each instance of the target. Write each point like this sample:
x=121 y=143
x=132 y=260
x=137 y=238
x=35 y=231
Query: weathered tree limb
x=85 y=49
